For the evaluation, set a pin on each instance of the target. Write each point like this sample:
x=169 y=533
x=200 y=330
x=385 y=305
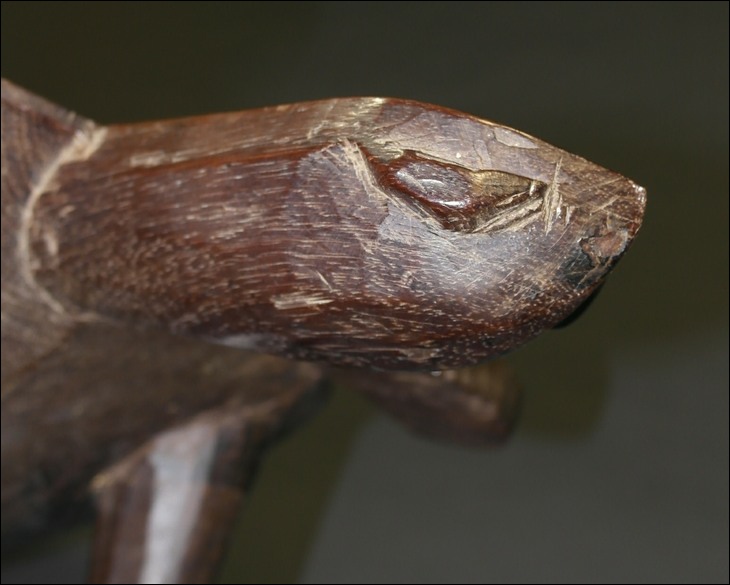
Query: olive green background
x=619 y=468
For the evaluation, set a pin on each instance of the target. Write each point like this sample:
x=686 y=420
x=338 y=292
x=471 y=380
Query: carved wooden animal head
x=360 y=231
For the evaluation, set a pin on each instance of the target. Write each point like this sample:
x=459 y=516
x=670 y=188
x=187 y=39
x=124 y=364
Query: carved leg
x=474 y=406
x=165 y=511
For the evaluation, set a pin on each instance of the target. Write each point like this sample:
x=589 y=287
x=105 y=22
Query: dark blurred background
x=619 y=468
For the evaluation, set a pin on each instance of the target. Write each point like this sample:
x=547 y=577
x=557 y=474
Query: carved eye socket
x=458 y=198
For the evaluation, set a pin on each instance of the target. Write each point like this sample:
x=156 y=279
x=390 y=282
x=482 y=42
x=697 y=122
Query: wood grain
x=368 y=232
x=363 y=231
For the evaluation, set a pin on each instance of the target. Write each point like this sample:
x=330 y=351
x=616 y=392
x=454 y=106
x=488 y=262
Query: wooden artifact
x=151 y=272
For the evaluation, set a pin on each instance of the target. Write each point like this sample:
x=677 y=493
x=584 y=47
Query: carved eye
x=458 y=198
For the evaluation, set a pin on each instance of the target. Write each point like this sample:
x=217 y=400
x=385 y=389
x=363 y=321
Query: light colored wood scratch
x=298 y=301
x=81 y=147
x=553 y=200
x=314 y=130
x=324 y=280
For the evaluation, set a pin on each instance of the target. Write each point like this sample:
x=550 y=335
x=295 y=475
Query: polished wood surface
x=139 y=261
x=361 y=231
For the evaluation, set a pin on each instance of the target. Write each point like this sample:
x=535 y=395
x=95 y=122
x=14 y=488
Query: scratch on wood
x=510 y=137
x=515 y=218
x=298 y=301
x=81 y=147
x=314 y=130
x=148 y=159
x=553 y=200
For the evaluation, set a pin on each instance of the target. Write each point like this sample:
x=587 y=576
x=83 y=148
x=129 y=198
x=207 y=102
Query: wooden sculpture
x=152 y=272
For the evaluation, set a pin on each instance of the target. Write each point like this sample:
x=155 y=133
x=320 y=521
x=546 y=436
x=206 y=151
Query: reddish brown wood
x=358 y=231
x=79 y=392
x=365 y=231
